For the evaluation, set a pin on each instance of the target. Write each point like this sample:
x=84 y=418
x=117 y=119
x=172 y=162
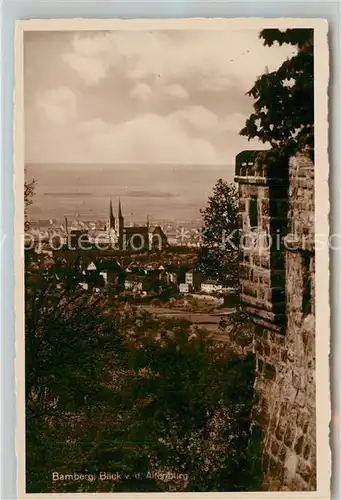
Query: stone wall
x=263 y=211
x=301 y=209
x=275 y=283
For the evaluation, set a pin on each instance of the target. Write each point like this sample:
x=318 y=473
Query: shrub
x=120 y=390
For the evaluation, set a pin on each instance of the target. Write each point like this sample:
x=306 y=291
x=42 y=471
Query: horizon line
x=124 y=163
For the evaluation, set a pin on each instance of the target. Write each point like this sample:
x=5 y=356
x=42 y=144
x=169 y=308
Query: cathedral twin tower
x=126 y=238
x=114 y=226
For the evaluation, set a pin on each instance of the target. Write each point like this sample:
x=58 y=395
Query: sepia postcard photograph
x=172 y=269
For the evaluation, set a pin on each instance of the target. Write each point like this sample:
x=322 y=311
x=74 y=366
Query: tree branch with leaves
x=29 y=188
x=284 y=99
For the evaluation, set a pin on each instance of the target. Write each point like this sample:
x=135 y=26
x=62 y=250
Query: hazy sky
x=142 y=96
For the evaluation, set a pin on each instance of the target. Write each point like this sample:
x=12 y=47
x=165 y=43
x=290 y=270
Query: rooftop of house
x=108 y=265
x=191 y=270
x=78 y=232
x=136 y=229
x=178 y=267
x=133 y=278
x=170 y=268
x=95 y=279
x=159 y=230
x=135 y=269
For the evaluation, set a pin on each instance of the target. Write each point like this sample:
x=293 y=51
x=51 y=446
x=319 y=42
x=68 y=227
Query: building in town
x=133 y=238
x=134 y=283
x=194 y=279
x=211 y=286
x=184 y=288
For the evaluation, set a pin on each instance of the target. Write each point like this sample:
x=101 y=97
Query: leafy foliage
x=121 y=390
x=71 y=347
x=196 y=407
x=218 y=255
x=284 y=99
x=28 y=199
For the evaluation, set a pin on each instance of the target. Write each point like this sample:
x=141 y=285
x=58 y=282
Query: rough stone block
x=269 y=371
x=266 y=279
x=259 y=347
x=290 y=465
x=278 y=339
x=276 y=470
x=264 y=224
x=311 y=391
x=303 y=421
x=267 y=349
x=284 y=355
x=284 y=488
x=305 y=427
x=265 y=261
x=264 y=405
x=259 y=334
x=262 y=294
x=281 y=430
x=302 y=183
x=283 y=453
x=249 y=289
x=310 y=185
x=276 y=405
x=242 y=205
x=289 y=437
x=275 y=353
x=263 y=420
x=283 y=409
x=301 y=398
x=253 y=191
x=298 y=484
x=267 y=319
x=299 y=445
x=296 y=380
x=264 y=206
x=307 y=452
x=304 y=470
x=275 y=447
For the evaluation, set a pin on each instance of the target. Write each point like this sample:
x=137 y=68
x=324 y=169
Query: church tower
x=120 y=226
x=110 y=225
x=111 y=218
